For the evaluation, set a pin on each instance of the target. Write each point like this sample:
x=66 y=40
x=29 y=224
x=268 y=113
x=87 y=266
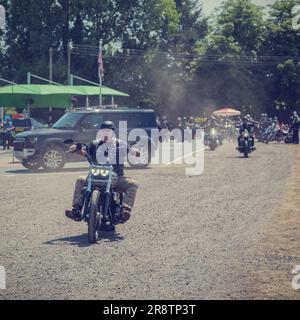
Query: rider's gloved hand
x=75 y=148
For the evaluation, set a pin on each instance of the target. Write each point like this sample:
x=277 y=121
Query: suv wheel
x=53 y=158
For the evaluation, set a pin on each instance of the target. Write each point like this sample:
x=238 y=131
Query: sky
x=209 y=5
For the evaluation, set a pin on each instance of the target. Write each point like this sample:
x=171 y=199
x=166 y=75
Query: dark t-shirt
x=247 y=126
x=7 y=126
x=116 y=151
x=295 y=122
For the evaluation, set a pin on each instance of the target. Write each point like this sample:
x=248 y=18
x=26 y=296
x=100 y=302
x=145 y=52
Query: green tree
x=282 y=50
x=225 y=69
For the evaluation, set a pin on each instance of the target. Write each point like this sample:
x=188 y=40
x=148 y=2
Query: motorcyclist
x=106 y=137
x=192 y=126
x=179 y=122
x=246 y=125
x=295 y=127
x=7 y=134
x=164 y=123
x=180 y=125
x=212 y=123
x=158 y=123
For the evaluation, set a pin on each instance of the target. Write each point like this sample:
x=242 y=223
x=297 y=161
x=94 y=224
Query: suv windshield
x=68 y=121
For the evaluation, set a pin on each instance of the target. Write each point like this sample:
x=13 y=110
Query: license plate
x=19 y=130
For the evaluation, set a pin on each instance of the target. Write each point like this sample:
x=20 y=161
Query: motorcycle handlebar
x=79 y=147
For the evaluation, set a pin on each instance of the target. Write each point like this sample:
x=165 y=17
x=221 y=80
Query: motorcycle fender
x=87 y=197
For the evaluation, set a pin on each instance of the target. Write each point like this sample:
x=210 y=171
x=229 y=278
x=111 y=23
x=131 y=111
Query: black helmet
x=108 y=125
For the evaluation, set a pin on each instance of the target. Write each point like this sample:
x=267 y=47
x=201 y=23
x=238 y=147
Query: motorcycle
x=288 y=137
x=212 y=139
x=271 y=133
x=229 y=132
x=259 y=131
x=102 y=205
x=246 y=143
x=281 y=134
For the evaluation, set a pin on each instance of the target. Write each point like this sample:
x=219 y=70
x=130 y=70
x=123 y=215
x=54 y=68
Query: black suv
x=45 y=147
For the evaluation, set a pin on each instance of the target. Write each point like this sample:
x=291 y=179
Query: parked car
x=45 y=147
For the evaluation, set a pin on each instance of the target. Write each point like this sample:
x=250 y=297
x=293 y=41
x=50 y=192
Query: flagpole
x=100 y=76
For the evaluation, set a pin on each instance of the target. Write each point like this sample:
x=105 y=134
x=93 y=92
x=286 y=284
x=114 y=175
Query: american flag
x=101 y=67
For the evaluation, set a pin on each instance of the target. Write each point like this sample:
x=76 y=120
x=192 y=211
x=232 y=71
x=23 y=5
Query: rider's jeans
x=123 y=185
x=6 y=140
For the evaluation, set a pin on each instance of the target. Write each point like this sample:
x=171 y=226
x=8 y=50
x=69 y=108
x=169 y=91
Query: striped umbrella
x=227 y=112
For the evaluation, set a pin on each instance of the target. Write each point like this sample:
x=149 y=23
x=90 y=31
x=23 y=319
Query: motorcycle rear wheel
x=94 y=221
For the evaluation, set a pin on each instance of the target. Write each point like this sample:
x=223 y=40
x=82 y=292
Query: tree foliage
x=165 y=53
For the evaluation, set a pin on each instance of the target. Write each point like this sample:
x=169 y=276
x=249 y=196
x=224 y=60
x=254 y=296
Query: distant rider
x=248 y=125
x=7 y=134
x=295 y=127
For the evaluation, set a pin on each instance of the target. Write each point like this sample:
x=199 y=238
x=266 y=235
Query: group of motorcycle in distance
x=243 y=130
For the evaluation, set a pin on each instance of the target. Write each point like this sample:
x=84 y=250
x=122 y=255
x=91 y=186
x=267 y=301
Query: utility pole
x=100 y=73
x=2 y=27
x=28 y=99
x=28 y=78
x=50 y=77
x=51 y=64
x=69 y=62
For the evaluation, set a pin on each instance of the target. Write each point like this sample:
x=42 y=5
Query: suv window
x=92 y=121
x=141 y=120
x=23 y=123
x=68 y=121
x=114 y=117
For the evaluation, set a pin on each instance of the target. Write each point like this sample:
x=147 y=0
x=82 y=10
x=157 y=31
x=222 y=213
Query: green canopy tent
x=42 y=96
x=94 y=90
x=45 y=96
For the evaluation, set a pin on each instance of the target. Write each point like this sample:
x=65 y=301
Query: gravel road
x=189 y=237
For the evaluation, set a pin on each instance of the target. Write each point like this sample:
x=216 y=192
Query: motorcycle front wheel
x=246 y=152
x=212 y=147
x=94 y=221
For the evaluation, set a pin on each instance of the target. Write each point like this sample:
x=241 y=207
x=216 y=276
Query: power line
x=141 y=52
x=88 y=50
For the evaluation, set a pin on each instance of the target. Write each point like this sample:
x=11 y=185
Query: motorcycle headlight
x=96 y=172
x=104 y=173
x=100 y=172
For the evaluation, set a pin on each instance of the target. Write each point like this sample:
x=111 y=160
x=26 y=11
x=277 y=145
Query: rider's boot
x=125 y=214
x=74 y=214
